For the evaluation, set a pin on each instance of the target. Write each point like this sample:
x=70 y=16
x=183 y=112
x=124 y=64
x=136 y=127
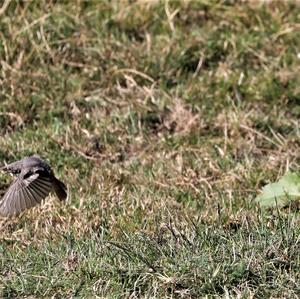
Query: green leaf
x=281 y=192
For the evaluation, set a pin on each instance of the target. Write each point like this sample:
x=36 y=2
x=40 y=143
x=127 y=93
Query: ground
x=165 y=119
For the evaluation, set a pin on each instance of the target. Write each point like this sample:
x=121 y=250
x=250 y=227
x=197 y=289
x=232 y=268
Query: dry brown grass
x=164 y=119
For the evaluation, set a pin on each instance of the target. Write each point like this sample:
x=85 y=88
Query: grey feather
x=33 y=184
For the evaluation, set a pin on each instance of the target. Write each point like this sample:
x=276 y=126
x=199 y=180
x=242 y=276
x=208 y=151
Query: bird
x=33 y=184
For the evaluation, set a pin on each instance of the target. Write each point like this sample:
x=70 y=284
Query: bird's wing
x=25 y=193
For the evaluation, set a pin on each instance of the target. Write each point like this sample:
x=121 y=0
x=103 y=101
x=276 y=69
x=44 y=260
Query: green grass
x=165 y=119
x=188 y=262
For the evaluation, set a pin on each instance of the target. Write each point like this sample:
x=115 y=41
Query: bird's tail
x=59 y=188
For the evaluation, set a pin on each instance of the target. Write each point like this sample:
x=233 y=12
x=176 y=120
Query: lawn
x=165 y=119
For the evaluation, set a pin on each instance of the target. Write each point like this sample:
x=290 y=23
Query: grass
x=165 y=119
